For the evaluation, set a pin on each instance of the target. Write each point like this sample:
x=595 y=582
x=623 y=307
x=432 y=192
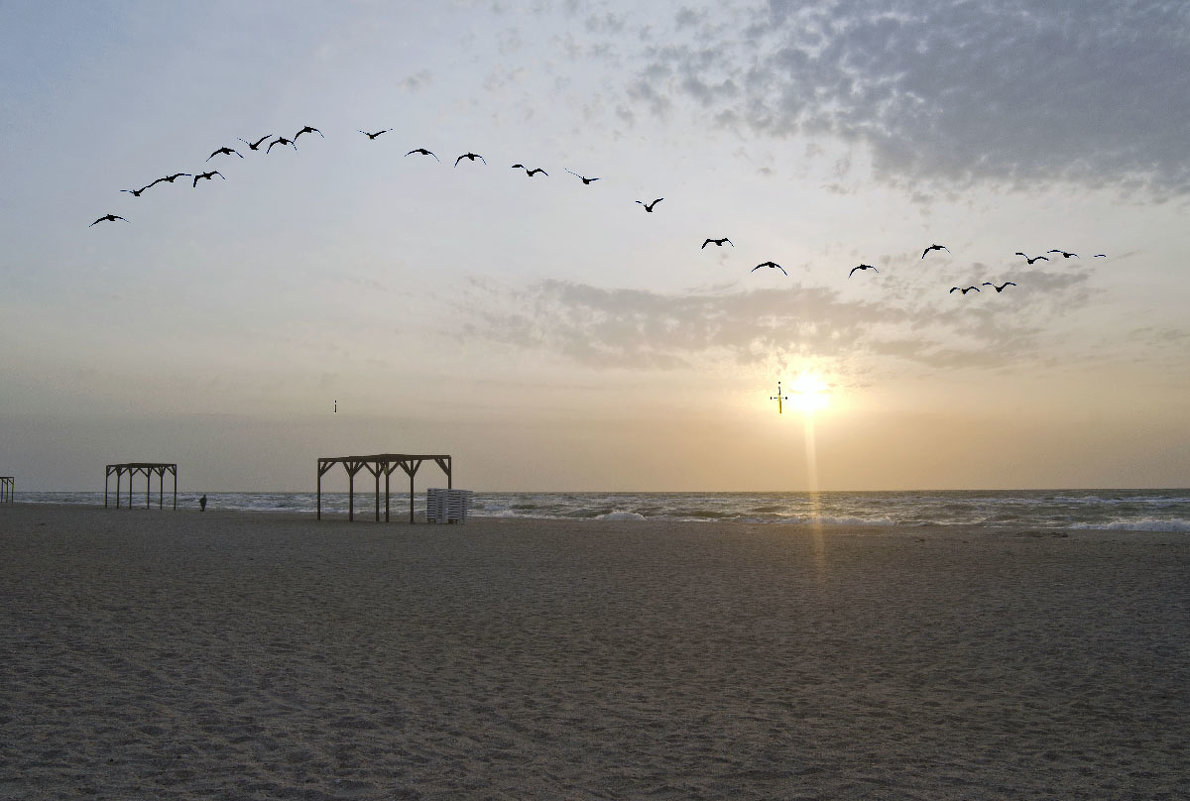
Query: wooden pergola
x=7 y=485
x=149 y=469
x=377 y=464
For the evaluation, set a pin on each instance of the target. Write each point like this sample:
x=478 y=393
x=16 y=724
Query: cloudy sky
x=551 y=334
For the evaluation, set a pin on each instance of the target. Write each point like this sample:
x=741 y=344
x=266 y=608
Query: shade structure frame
x=380 y=464
x=148 y=470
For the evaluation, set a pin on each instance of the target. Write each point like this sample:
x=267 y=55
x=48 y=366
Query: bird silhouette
x=281 y=140
x=718 y=242
x=422 y=151
x=109 y=218
x=1000 y=288
x=307 y=129
x=136 y=192
x=530 y=172
x=1065 y=255
x=1031 y=260
x=208 y=176
x=470 y=157
x=649 y=206
x=769 y=264
x=169 y=179
x=374 y=135
x=255 y=145
x=223 y=151
x=586 y=181
x=862 y=267
x=1100 y=256
x=934 y=247
x=954 y=289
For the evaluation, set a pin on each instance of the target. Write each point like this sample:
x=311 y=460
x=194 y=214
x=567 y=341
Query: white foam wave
x=1141 y=524
x=620 y=516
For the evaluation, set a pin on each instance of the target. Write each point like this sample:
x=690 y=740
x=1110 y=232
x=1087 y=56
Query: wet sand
x=152 y=654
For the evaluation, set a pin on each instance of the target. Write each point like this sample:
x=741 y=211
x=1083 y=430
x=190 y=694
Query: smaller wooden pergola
x=7 y=485
x=149 y=469
x=377 y=464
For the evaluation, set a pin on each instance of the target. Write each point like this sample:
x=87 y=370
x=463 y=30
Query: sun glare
x=809 y=393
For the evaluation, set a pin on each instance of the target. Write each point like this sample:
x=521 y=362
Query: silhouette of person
x=202 y=503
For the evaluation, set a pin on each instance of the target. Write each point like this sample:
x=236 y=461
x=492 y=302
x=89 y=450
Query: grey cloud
x=1092 y=92
x=630 y=328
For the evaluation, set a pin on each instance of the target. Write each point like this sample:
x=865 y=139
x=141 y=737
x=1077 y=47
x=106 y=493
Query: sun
x=809 y=393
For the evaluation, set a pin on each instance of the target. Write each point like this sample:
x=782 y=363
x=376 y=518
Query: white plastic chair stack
x=447 y=506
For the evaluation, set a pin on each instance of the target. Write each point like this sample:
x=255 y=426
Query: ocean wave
x=1179 y=526
x=1105 y=510
x=620 y=516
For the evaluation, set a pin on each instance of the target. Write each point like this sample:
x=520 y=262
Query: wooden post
x=319 y=517
x=376 y=475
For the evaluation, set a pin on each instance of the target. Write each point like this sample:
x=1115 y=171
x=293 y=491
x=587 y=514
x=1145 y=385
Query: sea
x=1166 y=510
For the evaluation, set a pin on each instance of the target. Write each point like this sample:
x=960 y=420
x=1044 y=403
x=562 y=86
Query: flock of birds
x=274 y=140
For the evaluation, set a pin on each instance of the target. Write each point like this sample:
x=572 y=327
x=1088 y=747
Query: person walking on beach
x=202 y=503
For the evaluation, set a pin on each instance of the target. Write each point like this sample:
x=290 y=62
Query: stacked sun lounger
x=447 y=505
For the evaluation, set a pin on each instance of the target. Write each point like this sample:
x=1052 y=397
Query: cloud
x=1085 y=91
x=638 y=329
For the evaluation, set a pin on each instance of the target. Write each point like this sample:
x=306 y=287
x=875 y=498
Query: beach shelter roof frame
x=376 y=464
x=8 y=484
x=149 y=469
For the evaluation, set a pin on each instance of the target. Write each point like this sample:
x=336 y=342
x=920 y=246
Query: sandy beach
x=160 y=654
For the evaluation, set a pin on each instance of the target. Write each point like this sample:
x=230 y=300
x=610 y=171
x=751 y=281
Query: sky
x=341 y=297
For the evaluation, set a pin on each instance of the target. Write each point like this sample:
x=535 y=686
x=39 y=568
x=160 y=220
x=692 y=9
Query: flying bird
x=1100 y=256
x=718 y=242
x=649 y=206
x=954 y=289
x=862 y=267
x=470 y=157
x=223 y=151
x=530 y=172
x=255 y=145
x=208 y=176
x=169 y=179
x=109 y=218
x=307 y=129
x=422 y=151
x=586 y=181
x=374 y=135
x=1000 y=288
x=136 y=192
x=769 y=264
x=1065 y=255
x=1031 y=260
x=934 y=247
x=280 y=140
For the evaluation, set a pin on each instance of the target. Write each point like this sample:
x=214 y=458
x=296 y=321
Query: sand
x=160 y=654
